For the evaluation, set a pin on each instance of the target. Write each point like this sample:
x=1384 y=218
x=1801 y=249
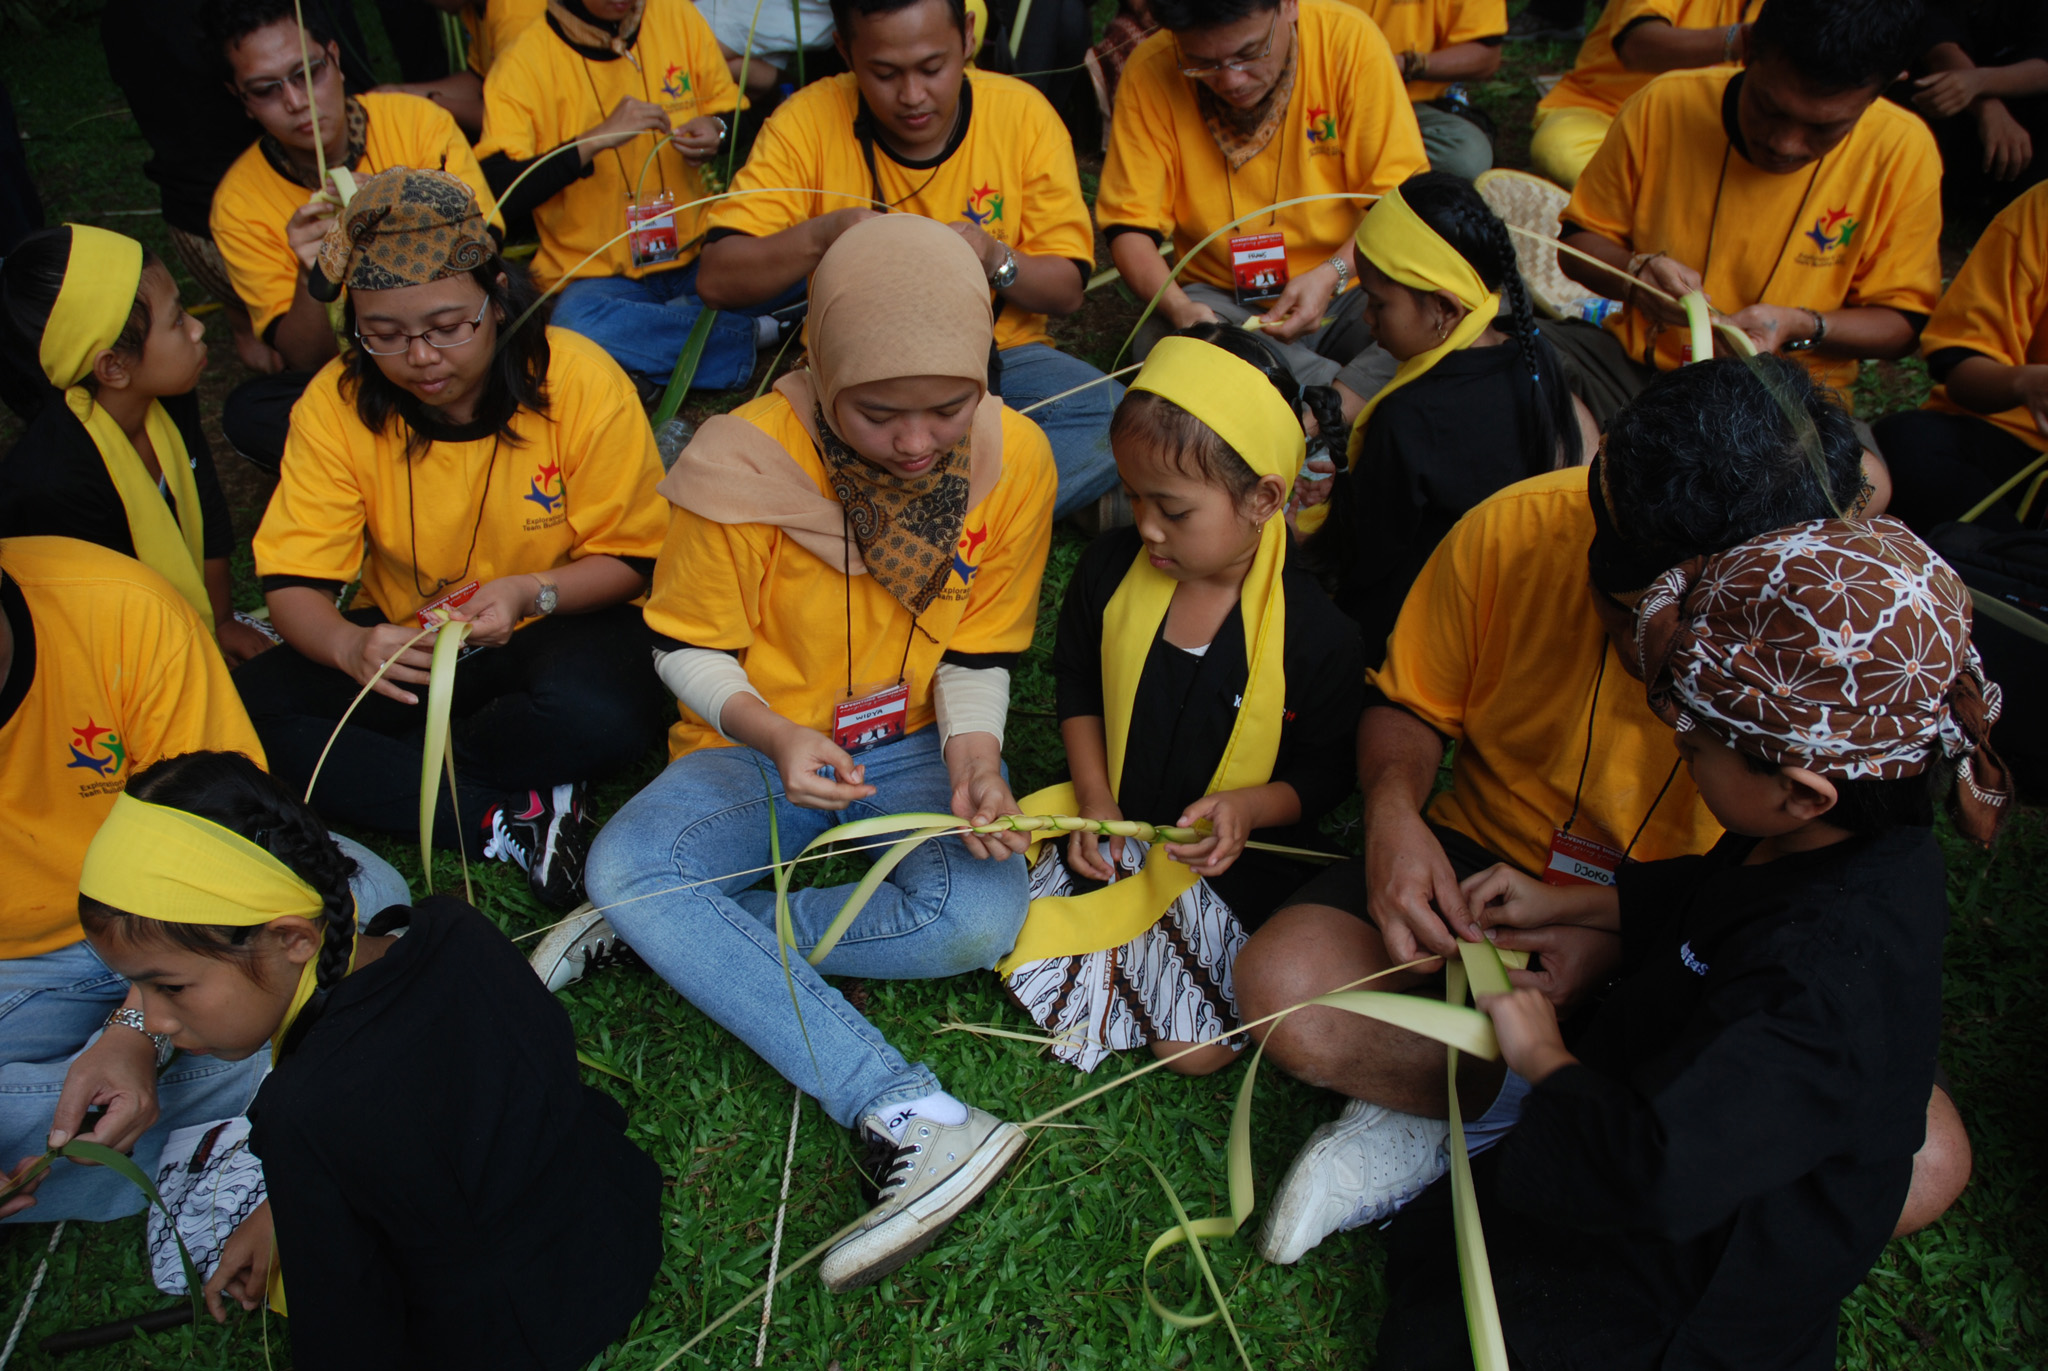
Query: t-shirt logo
x=675 y=82
x=985 y=207
x=1322 y=126
x=970 y=543
x=1833 y=229
x=546 y=489
x=97 y=750
x=1691 y=960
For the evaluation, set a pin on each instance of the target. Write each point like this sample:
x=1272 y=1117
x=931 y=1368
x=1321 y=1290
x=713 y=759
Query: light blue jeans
x=1077 y=427
x=942 y=912
x=643 y=324
x=52 y=1008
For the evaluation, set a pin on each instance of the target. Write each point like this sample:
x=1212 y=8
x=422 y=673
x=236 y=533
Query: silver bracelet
x=125 y=1017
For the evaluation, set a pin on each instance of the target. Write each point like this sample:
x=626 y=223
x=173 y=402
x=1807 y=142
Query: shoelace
x=893 y=1162
x=598 y=956
x=502 y=846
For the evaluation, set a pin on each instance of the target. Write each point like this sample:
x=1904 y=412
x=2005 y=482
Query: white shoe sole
x=866 y=1257
x=550 y=959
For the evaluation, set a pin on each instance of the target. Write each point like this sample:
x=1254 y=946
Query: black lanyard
x=413 y=526
x=1592 y=714
x=632 y=188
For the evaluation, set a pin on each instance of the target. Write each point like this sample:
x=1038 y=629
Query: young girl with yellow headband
x=1201 y=680
x=424 y=1096
x=118 y=457
x=1479 y=401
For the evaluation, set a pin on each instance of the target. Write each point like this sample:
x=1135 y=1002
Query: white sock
x=938 y=1106
x=767 y=331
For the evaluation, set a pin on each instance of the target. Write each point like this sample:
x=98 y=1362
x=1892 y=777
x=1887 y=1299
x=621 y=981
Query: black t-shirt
x=447 y=1192
x=54 y=482
x=1994 y=33
x=1186 y=706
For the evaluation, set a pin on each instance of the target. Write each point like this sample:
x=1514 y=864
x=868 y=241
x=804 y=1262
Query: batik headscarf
x=1838 y=646
x=581 y=28
x=401 y=228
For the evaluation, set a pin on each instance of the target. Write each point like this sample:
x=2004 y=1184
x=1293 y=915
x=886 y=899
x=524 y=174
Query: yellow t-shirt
x=578 y=483
x=1348 y=128
x=1012 y=173
x=253 y=203
x=1432 y=26
x=116 y=674
x=1998 y=305
x=1498 y=647
x=542 y=93
x=493 y=24
x=752 y=590
x=1598 y=80
x=1859 y=227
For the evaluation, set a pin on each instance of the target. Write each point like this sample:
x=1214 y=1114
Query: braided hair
x=235 y=793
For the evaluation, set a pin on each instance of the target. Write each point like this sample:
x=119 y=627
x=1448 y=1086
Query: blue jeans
x=942 y=912
x=1077 y=427
x=52 y=1008
x=643 y=324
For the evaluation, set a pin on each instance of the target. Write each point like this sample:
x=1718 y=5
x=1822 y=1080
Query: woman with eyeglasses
x=458 y=456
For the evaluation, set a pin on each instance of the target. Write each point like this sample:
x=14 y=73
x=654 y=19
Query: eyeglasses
x=393 y=342
x=1237 y=63
x=263 y=92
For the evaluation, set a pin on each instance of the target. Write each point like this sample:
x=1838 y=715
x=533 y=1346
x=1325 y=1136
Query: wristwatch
x=1005 y=276
x=1820 y=331
x=1343 y=275
x=125 y=1017
x=547 y=597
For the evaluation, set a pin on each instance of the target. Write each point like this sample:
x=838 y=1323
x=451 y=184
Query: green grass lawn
x=1045 y=1271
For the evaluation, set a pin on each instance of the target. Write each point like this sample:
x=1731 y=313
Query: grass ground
x=1044 y=1273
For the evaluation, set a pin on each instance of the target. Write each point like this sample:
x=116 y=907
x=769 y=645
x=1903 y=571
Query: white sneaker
x=586 y=942
x=1355 y=1171
x=921 y=1185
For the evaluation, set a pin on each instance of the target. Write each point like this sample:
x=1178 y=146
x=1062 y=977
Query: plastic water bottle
x=1594 y=309
x=672 y=437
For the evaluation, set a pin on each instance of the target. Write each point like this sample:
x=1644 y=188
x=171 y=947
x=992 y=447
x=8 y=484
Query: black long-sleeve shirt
x=447 y=1192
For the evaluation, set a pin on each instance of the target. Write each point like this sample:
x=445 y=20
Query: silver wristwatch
x=1005 y=275
x=547 y=597
x=125 y=1017
x=1343 y=274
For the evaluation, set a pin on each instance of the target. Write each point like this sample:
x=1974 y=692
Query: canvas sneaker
x=549 y=840
x=1357 y=1170
x=919 y=1186
x=582 y=943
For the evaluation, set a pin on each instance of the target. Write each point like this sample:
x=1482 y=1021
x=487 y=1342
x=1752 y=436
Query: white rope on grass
x=796 y=1112
x=35 y=1288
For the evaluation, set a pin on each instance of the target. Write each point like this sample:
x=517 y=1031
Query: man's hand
x=826 y=228
x=2032 y=384
x=372 y=646
x=239 y=642
x=1526 y=1025
x=1573 y=961
x=986 y=246
x=1948 y=92
x=1770 y=327
x=496 y=609
x=1673 y=278
x=307 y=229
x=1408 y=879
x=801 y=754
x=1184 y=312
x=1084 y=852
x=1301 y=306
x=118 y=1073
x=244 y=1270
x=1213 y=855
x=698 y=140
x=974 y=761
x=625 y=123
x=2008 y=147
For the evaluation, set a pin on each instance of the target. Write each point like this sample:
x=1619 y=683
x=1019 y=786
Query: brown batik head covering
x=401 y=228
x=898 y=295
x=579 y=27
x=1839 y=646
x=1242 y=134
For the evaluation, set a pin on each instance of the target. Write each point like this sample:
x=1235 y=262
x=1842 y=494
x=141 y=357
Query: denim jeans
x=643 y=324
x=51 y=1010
x=1077 y=427
x=942 y=912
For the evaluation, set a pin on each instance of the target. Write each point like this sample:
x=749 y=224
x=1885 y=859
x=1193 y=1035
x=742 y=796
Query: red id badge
x=1580 y=861
x=868 y=721
x=652 y=235
x=1258 y=266
x=453 y=599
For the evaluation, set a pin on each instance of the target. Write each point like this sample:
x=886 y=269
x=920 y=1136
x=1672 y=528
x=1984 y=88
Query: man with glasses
x=1238 y=106
x=270 y=211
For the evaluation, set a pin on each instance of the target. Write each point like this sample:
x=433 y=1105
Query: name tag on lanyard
x=652 y=238
x=1579 y=861
x=862 y=722
x=1258 y=267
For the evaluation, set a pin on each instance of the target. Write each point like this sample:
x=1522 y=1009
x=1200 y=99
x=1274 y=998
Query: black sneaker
x=549 y=840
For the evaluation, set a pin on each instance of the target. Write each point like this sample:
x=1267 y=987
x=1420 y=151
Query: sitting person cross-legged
x=507 y=475
x=1240 y=105
x=1440 y=44
x=913 y=128
x=1562 y=771
x=852 y=566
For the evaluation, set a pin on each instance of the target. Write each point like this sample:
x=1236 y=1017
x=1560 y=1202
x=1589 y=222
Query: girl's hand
x=1213 y=855
x=496 y=609
x=698 y=140
x=1502 y=897
x=981 y=795
x=1948 y=92
x=26 y=1196
x=1084 y=850
x=117 y=1073
x=627 y=121
x=307 y=229
x=244 y=1270
x=372 y=646
x=801 y=754
x=1526 y=1025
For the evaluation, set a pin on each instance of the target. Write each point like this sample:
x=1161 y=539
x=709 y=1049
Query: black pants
x=1943 y=464
x=257 y=416
x=571 y=698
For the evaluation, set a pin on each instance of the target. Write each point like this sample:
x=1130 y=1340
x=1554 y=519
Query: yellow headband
x=101 y=278
x=1395 y=239
x=162 y=863
x=1233 y=398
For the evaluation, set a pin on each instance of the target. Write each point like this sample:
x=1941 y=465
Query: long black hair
x=518 y=377
x=30 y=281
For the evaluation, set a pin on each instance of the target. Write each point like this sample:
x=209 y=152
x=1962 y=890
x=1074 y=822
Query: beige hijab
x=896 y=295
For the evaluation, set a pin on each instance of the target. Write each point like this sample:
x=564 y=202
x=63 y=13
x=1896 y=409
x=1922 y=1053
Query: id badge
x=1258 y=267
x=1579 y=861
x=867 y=721
x=651 y=229
x=452 y=600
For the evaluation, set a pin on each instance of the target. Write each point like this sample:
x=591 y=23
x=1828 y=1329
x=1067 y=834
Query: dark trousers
x=257 y=417
x=570 y=698
x=1943 y=464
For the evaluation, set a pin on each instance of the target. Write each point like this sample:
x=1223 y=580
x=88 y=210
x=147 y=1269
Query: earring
x=1443 y=328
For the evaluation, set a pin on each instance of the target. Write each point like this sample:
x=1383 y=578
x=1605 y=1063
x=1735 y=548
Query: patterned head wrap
x=402 y=228
x=1841 y=647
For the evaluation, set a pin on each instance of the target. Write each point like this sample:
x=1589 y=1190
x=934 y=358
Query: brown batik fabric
x=575 y=25
x=906 y=528
x=405 y=228
x=1242 y=134
x=358 y=138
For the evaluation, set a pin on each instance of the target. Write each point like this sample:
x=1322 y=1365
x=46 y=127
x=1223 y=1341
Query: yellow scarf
x=101 y=279
x=1241 y=406
x=155 y=862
